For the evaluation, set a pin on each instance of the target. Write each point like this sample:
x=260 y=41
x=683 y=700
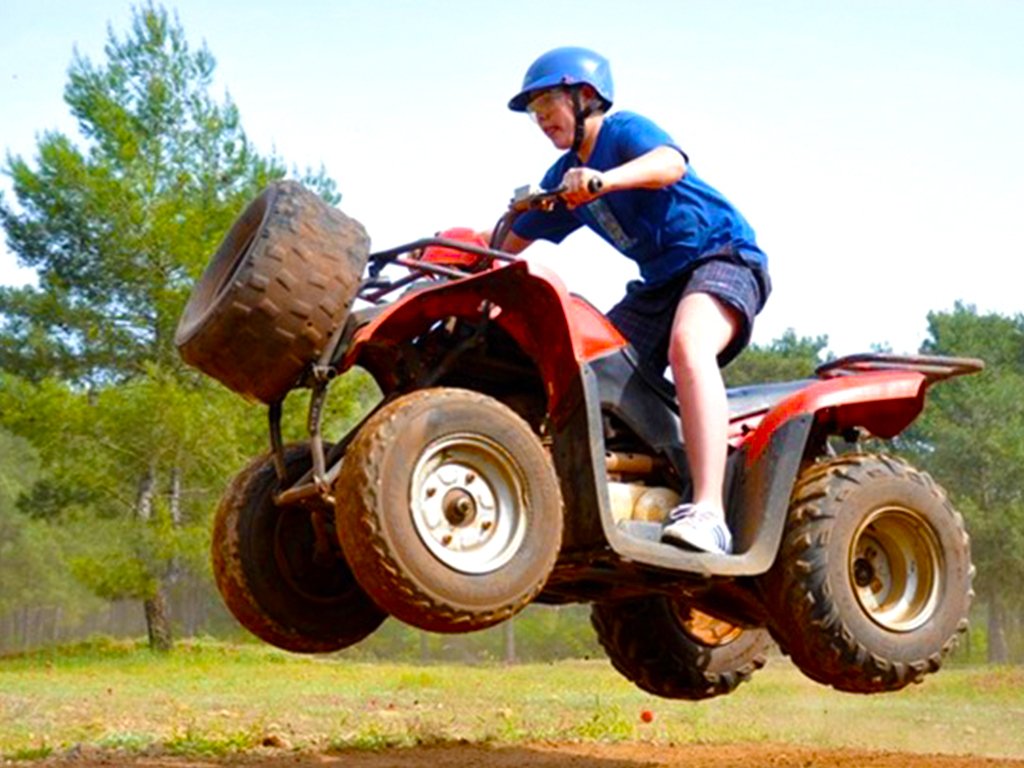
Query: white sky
x=876 y=147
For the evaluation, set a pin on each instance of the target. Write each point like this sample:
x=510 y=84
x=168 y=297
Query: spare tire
x=275 y=291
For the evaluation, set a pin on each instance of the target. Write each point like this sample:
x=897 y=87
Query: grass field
x=208 y=700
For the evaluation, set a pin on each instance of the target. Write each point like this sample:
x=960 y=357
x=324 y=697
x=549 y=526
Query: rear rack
x=934 y=367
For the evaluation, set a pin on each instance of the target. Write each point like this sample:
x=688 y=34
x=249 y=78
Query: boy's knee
x=690 y=353
x=704 y=326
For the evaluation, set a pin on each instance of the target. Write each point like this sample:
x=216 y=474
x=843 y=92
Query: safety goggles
x=546 y=102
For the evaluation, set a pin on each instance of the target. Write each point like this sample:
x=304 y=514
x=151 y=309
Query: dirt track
x=562 y=756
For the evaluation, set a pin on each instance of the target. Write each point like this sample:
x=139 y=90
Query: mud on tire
x=277 y=288
x=671 y=650
x=266 y=569
x=449 y=510
x=872 y=584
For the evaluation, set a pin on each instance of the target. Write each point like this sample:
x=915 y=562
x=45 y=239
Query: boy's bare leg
x=703 y=327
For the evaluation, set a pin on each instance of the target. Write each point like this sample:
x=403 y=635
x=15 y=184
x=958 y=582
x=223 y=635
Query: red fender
x=557 y=330
x=883 y=402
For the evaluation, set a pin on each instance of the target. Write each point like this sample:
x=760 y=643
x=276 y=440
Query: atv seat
x=743 y=401
x=746 y=401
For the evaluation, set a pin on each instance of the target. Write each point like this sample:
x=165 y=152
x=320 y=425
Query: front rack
x=374 y=288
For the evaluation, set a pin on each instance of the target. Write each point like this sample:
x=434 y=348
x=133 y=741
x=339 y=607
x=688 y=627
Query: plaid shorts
x=645 y=314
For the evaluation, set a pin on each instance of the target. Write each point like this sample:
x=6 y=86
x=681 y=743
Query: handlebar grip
x=594 y=186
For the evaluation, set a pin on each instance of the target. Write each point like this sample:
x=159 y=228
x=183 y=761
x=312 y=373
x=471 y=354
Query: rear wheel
x=270 y=573
x=675 y=651
x=449 y=510
x=872 y=585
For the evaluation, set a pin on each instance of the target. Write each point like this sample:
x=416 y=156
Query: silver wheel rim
x=468 y=503
x=895 y=569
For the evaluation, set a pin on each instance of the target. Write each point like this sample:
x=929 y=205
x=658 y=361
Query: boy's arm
x=658 y=168
x=513 y=243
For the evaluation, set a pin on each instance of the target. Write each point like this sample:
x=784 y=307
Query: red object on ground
x=647 y=716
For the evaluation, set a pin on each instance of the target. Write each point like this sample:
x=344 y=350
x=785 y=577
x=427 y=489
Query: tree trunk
x=58 y=615
x=158 y=621
x=997 y=649
x=25 y=615
x=175 y=494
x=174 y=567
x=144 y=501
x=510 y=641
x=1015 y=638
x=158 y=615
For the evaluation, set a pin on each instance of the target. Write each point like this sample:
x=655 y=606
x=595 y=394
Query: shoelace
x=692 y=512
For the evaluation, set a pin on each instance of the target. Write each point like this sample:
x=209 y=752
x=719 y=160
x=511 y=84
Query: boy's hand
x=581 y=186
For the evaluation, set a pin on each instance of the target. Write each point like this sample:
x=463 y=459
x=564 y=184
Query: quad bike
x=521 y=453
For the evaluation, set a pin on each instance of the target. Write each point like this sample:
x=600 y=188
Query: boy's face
x=552 y=109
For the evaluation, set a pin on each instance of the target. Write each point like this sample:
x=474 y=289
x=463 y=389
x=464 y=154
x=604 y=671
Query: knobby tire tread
x=381 y=575
x=233 y=583
x=811 y=629
x=290 y=288
x=647 y=647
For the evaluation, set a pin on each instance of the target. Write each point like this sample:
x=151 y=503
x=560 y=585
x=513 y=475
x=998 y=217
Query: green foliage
x=606 y=723
x=193 y=741
x=32 y=569
x=970 y=438
x=132 y=449
x=102 y=449
x=119 y=224
x=19 y=466
x=786 y=358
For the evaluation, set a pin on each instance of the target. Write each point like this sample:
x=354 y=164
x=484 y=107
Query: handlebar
x=528 y=199
x=524 y=199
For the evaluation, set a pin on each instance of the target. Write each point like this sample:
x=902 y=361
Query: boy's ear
x=589 y=97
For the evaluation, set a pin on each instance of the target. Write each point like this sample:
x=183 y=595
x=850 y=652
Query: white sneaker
x=695 y=527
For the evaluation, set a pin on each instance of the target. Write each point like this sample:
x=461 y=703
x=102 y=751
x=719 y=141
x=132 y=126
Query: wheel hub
x=467 y=503
x=703 y=627
x=459 y=507
x=895 y=568
x=311 y=572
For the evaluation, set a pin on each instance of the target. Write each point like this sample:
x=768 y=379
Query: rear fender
x=769 y=460
x=557 y=330
x=883 y=402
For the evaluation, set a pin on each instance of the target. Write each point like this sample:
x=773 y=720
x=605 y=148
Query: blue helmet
x=566 y=67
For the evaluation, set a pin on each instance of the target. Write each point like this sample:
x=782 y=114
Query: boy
x=703 y=278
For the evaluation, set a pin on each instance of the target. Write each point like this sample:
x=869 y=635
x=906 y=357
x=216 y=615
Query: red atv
x=520 y=453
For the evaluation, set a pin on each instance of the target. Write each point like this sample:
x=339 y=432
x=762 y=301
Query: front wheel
x=872 y=585
x=449 y=510
x=675 y=651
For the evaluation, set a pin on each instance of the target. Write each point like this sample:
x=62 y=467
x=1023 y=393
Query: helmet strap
x=580 y=114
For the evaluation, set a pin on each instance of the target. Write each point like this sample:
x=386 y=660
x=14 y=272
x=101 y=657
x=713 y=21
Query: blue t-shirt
x=665 y=231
